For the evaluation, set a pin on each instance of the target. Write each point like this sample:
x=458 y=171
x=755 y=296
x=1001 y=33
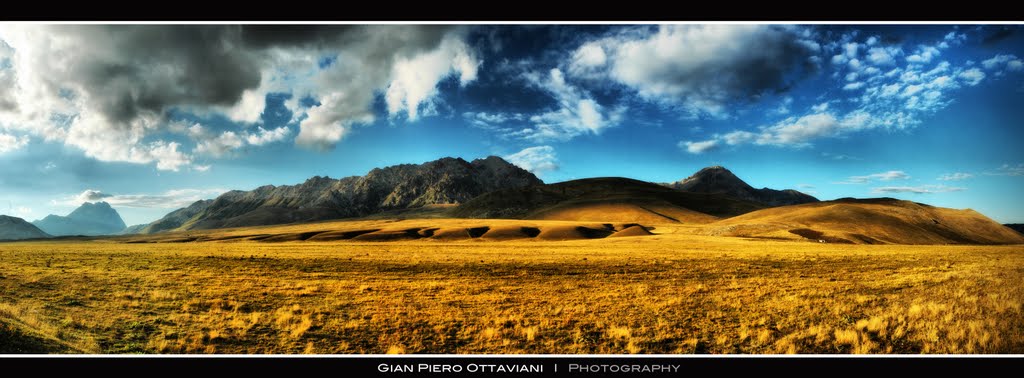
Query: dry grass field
x=676 y=291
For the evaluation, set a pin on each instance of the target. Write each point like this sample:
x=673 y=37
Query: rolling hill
x=607 y=199
x=869 y=221
x=89 y=219
x=12 y=228
x=718 y=180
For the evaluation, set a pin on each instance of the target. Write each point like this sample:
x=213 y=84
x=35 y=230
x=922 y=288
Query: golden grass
x=673 y=292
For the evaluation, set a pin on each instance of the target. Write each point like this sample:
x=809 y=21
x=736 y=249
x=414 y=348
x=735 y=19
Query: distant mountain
x=869 y=221
x=12 y=228
x=134 y=229
x=443 y=181
x=1019 y=227
x=610 y=199
x=719 y=180
x=89 y=219
x=176 y=218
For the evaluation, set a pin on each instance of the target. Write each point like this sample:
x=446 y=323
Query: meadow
x=674 y=292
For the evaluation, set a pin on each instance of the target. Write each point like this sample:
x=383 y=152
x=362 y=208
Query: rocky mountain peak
x=719 y=180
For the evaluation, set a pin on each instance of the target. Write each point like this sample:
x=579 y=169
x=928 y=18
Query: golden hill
x=869 y=221
x=605 y=199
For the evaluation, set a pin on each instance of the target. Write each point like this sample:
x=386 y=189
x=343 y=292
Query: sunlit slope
x=17 y=337
x=605 y=199
x=393 y=230
x=869 y=221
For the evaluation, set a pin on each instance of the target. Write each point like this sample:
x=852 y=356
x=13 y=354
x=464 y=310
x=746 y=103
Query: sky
x=153 y=117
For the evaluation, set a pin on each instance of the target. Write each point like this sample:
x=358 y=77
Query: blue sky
x=153 y=117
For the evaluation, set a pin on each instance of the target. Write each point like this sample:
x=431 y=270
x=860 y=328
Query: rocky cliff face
x=443 y=181
x=89 y=219
x=719 y=180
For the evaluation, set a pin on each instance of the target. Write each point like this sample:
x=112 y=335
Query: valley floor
x=674 y=292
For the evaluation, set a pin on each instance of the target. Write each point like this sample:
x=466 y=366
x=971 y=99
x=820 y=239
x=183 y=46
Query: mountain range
x=90 y=219
x=443 y=181
x=494 y=188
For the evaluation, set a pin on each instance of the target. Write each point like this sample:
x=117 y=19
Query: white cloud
x=998 y=61
x=699 y=147
x=924 y=54
x=955 y=176
x=897 y=99
x=249 y=108
x=829 y=155
x=167 y=156
x=853 y=86
x=537 y=159
x=414 y=80
x=221 y=145
x=171 y=199
x=578 y=113
x=10 y=142
x=330 y=121
x=107 y=90
x=883 y=56
x=972 y=76
x=263 y=136
x=923 y=189
x=588 y=59
x=883 y=176
x=699 y=67
x=492 y=121
x=1009 y=170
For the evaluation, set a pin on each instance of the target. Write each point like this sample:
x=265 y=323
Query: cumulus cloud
x=414 y=80
x=227 y=141
x=89 y=195
x=883 y=176
x=923 y=189
x=537 y=159
x=956 y=176
x=699 y=147
x=972 y=76
x=577 y=113
x=1009 y=61
x=108 y=90
x=700 y=67
x=10 y=142
x=263 y=136
x=171 y=199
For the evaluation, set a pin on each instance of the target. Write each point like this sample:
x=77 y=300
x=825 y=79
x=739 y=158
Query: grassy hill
x=869 y=221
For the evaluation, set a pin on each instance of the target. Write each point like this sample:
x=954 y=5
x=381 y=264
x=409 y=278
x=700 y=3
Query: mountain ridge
x=90 y=219
x=718 y=179
x=443 y=181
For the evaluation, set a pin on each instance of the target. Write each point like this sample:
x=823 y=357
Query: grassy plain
x=674 y=292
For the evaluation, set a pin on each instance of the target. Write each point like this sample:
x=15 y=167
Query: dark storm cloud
x=997 y=35
x=134 y=70
x=327 y=36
